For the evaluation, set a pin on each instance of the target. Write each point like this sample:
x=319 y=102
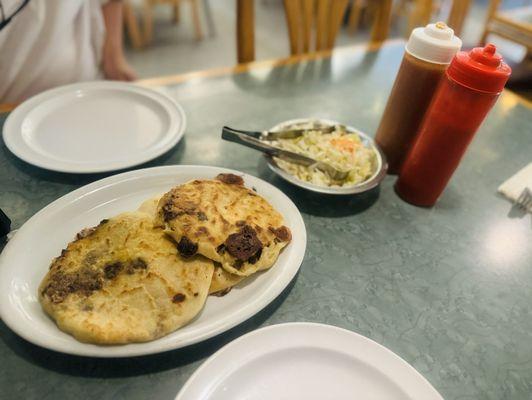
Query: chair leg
x=354 y=16
x=492 y=9
x=483 y=38
x=132 y=25
x=322 y=17
x=292 y=10
x=245 y=30
x=148 y=21
x=420 y=15
x=426 y=12
x=208 y=17
x=381 y=21
x=459 y=10
x=399 y=8
x=176 y=7
x=307 y=14
x=194 y=4
x=336 y=17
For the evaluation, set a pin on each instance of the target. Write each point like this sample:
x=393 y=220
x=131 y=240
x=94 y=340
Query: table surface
x=449 y=289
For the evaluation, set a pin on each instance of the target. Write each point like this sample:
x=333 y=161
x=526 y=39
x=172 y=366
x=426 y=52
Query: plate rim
x=428 y=388
x=12 y=127
x=91 y=350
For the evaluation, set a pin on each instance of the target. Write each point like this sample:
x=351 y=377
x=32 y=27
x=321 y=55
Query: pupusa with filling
x=224 y=221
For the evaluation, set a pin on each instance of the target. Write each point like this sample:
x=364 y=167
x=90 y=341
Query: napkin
x=513 y=187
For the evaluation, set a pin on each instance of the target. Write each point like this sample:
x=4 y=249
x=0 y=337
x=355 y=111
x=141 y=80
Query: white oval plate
x=27 y=256
x=94 y=127
x=306 y=361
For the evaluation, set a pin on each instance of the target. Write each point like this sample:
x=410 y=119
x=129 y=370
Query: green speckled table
x=449 y=289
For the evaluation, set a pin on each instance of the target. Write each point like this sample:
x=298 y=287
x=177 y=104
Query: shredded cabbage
x=343 y=150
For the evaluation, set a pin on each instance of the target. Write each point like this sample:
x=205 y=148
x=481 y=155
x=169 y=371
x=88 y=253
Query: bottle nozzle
x=435 y=43
x=486 y=55
x=439 y=30
x=489 y=49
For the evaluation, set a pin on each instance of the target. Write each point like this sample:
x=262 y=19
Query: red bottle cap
x=481 y=69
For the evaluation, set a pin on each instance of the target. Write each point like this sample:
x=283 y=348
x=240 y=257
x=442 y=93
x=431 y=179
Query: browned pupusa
x=123 y=281
x=223 y=220
x=222 y=281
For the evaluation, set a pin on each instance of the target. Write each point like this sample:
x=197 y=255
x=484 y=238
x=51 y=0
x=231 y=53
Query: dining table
x=447 y=288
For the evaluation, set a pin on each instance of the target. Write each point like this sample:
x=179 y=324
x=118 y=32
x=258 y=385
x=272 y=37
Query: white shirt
x=50 y=43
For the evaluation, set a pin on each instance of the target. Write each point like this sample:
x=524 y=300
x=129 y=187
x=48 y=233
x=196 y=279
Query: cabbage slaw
x=342 y=149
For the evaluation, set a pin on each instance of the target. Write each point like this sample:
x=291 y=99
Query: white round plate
x=306 y=361
x=27 y=256
x=94 y=127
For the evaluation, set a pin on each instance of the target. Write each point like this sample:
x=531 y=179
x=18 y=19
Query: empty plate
x=94 y=127
x=306 y=361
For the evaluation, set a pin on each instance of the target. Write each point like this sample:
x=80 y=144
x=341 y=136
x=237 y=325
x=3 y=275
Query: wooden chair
x=132 y=25
x=417 y=12
x=423 y=10
x=245 y=30
x=148 y=16
x=458 y=14
x=504 y=25
x=357 y=6
x=139 y=37
x=303 y=16
x=313 y=25
x=420 y=14
x=381 y=12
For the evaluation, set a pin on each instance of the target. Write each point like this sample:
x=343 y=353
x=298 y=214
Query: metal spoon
x=250 y=139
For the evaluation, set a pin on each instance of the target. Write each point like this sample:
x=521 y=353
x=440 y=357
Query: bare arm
x=114 y=63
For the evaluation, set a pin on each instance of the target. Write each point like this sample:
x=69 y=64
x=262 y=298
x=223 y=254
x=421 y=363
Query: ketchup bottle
x=470 y=88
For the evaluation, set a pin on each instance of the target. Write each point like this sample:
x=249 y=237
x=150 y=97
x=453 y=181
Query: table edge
x=270 y=63
x=174 y=79
x=279 y=62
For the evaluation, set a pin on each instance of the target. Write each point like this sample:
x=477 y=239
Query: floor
x=175 y=50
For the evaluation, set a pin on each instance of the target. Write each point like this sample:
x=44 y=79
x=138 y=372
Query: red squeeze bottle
x=470 y=88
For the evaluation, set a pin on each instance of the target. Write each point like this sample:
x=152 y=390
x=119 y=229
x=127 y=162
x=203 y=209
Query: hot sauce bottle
x=427 y=55
x=470 y=88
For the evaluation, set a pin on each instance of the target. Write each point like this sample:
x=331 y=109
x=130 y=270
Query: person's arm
x=114 y=63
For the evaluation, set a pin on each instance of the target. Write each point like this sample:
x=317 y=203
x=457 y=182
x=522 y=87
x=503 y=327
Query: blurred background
x=166 y=37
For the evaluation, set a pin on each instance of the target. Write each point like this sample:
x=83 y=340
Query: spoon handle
x=249 y=140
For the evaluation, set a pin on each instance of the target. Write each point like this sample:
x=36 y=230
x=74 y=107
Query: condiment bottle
x=471 y=87
x=427 y=54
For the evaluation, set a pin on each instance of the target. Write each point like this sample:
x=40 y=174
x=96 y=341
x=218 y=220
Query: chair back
x=508 y=26
x=313 y=25
x=423 y=10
